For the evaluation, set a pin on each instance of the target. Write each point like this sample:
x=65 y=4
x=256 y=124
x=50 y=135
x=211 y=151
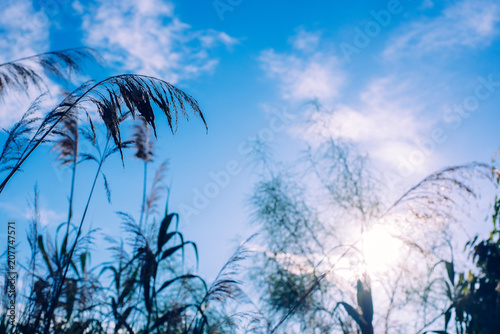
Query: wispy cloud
x=468 y=23
x=305 y=73
x=386 y=120
x=385 y=117
x=25 y=31
x=305 y=41
x=46 y=216
x=146 y=36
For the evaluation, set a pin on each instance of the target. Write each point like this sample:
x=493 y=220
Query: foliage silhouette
x=22 y=73
x=474 y=296
x=137 y=93
x=59 y=298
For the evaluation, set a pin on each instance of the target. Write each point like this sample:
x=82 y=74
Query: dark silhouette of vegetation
x=149 y=290
x=137 y=93
x=22 y=73
x=474 y=296
x=363 y=316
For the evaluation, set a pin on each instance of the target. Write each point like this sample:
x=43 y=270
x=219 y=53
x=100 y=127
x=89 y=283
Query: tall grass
x=150 y=290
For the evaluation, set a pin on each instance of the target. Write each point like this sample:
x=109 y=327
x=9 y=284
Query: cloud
x=46 y=217
x=50 y=217
x=24 y=30
x=304 y=75
x=469 y=23
x=146 y=36
x=386 y=121
x=304 y=40
x=385 y=117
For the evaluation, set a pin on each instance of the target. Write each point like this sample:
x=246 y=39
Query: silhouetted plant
x=474 y=297
x=20 y=74
x=55 y=295
x=137 y=93
x=67 y=149
x=17 y=137
x=144 y=284
x=363 y=314
x=144 y=146
x=78 y=298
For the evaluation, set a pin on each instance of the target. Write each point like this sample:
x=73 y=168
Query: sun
x=381 y=249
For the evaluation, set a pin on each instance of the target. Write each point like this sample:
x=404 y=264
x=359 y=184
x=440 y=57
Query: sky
x=415 y=84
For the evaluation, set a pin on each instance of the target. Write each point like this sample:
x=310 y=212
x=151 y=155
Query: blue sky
x=416 y=84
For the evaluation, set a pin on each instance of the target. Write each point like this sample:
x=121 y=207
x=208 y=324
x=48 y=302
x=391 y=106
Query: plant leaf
x=355 y=315
x=163 y=237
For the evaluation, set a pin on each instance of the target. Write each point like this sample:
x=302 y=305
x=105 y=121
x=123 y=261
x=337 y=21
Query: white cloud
x=50 y=217
x=47 y=217
x=25 y=31
x=15 y=103
x=304 y=76
x=387 y=121
x=145 y=36
x=13 y=106
x=469 y=23
x=211 y=38
x=304 y=40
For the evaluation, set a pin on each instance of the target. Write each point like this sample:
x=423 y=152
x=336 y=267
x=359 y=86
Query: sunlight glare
x=382 y=251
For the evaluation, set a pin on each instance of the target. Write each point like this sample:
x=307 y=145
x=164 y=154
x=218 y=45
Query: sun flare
x=381 y=249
